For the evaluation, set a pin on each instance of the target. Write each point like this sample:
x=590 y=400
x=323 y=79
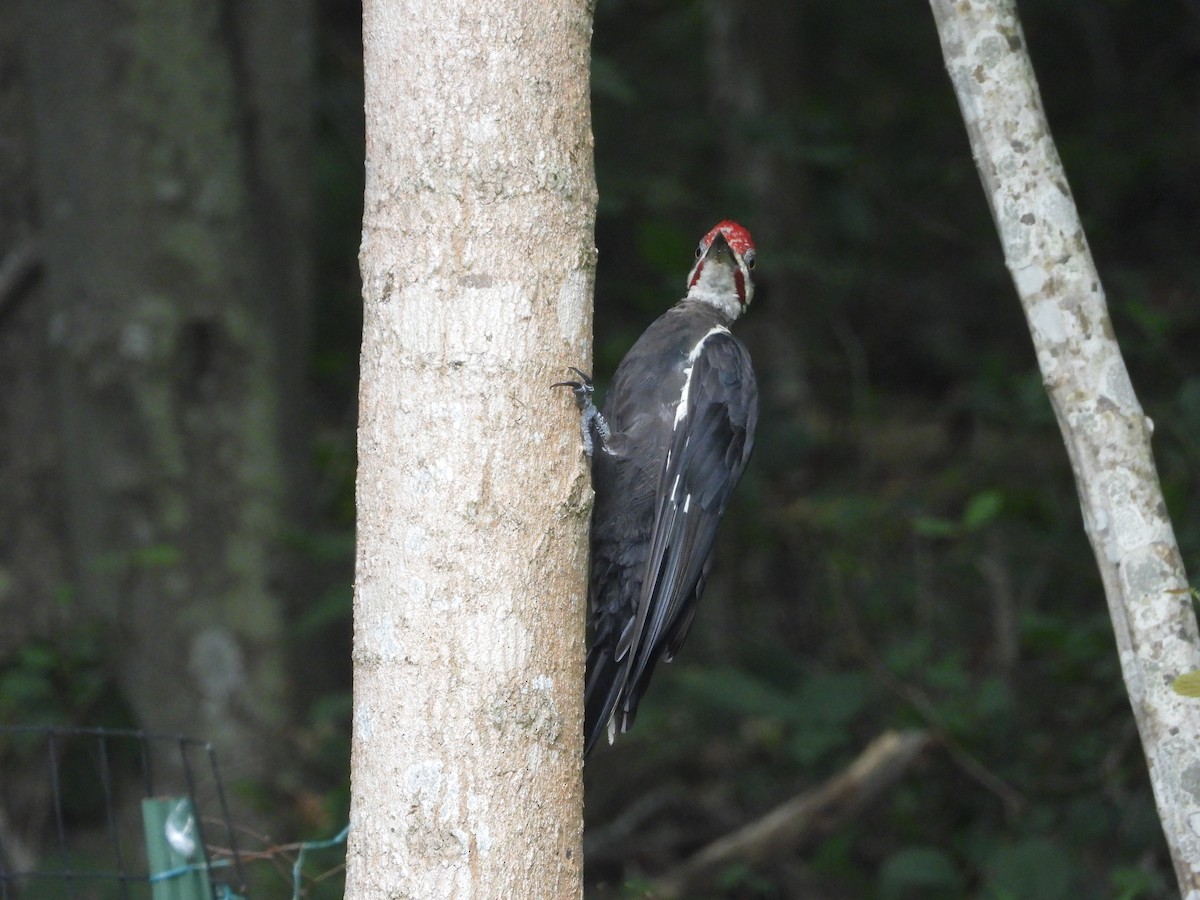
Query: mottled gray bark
x=172 y=188
x=1106 y=433
x=473 y=499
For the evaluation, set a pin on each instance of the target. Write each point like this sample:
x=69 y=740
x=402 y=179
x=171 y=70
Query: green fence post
x=173 y=842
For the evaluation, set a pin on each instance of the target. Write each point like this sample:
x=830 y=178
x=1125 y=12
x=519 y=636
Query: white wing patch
x=681 y=409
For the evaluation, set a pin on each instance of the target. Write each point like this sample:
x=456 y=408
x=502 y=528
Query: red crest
x=735 y=235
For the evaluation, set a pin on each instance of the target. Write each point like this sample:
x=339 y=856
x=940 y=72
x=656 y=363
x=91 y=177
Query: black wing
x=708 y=451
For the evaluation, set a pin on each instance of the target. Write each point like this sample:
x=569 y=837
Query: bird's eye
x=748 y=256
x=700 y=250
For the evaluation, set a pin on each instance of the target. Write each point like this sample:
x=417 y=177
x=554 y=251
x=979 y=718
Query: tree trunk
x=32 y=550
x=1106 y=433
x=171 y=140
x=473 y=499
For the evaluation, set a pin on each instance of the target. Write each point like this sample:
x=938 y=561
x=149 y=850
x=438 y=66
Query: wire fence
x=83 y=791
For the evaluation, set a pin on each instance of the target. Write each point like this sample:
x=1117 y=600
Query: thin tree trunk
x=33 y=552
x=473 y=499
x=1106 y=434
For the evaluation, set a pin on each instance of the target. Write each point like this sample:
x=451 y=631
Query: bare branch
x=804 y=817
x=1105 y=431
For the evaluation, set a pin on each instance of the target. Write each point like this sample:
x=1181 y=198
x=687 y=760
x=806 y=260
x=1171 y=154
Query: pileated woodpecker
x=673 y=439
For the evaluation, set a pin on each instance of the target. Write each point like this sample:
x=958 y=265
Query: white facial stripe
x=715 y=284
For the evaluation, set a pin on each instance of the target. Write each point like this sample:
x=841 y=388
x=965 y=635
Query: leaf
x=1187 y=684
x=1132 y=882
x=20 y=689
x=934 y=527
x=156 y=556
x=982 y=509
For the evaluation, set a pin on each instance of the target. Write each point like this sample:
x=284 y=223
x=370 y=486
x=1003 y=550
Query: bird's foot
x=590 y=416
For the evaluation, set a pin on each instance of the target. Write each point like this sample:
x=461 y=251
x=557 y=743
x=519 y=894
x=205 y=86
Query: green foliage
x=61 y=681
x=1033 y=869
x=981 y=509
x=53 y=884
x=741 y=880
x=637 y=888
x=1133 y=883
x=919 y=872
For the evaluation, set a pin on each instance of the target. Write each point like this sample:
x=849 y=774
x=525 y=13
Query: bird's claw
x=582 y=388
x=591 y=417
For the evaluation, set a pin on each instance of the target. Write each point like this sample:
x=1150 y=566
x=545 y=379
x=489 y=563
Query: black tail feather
x=606 y=680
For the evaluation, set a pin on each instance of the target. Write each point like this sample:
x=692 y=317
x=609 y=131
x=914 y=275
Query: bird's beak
x=719 y=248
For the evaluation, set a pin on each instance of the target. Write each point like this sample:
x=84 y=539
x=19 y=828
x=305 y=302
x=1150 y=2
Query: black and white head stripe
x=721 y=275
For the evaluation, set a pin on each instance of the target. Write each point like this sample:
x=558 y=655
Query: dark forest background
x=906 y=549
